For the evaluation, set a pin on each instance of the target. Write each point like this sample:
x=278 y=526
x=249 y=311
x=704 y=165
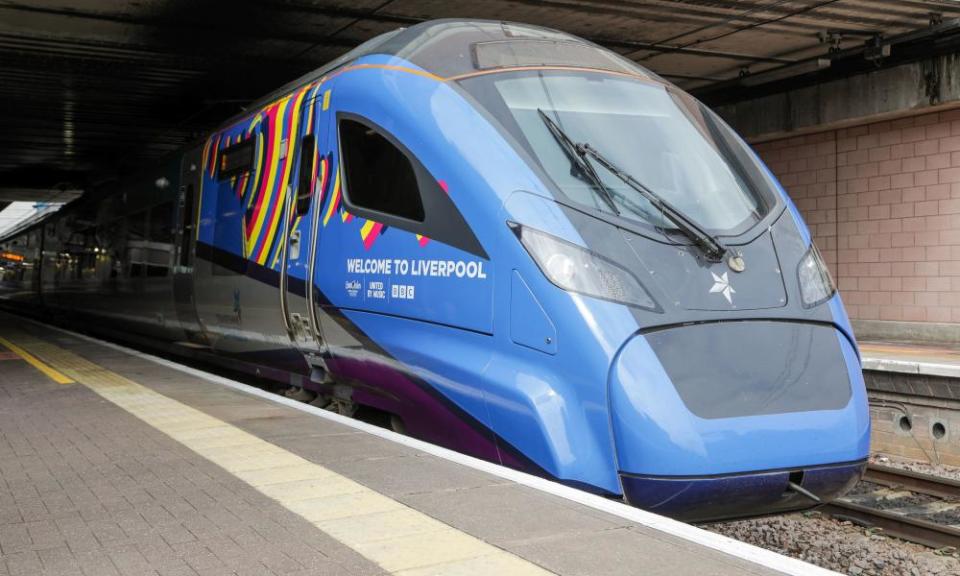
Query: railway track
x=916 y=507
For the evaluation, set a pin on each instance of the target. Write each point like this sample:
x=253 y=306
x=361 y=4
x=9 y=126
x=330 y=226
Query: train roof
x=452 y=48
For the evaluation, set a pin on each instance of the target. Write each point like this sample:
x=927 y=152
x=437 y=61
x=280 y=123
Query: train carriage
x=513 y=243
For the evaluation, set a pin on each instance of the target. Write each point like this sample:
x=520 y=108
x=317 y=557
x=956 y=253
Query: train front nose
x=716 y=420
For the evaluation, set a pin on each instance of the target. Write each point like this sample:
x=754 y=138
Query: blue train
x=512 y=242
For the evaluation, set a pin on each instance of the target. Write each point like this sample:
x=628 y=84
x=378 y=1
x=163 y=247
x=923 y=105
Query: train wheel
x=299 y=394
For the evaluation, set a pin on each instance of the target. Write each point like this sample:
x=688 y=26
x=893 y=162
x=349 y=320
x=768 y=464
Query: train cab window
x=378 y=176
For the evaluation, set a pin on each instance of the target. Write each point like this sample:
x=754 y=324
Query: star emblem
x=722 y=285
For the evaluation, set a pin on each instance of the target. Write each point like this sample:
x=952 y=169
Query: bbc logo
x=402 y=292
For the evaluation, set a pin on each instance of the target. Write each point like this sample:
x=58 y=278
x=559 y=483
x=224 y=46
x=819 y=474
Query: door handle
x=295 y=245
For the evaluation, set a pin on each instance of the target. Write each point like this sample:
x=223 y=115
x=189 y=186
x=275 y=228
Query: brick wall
x=883 y=203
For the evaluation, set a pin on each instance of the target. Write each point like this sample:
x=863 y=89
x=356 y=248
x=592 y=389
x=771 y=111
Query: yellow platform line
x=401 y=540
x=54 y=375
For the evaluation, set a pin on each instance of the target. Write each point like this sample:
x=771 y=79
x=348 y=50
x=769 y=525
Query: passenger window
x=305 y=185
x=136 y=243
x=186 y=224
x=378 y=176
x=158 y=253
x=161 y=223
x=157 y=270
x=113 y=242
x=137 y=226
x=235 y=160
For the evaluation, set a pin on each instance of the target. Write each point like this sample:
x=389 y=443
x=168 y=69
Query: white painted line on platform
x=690 y=533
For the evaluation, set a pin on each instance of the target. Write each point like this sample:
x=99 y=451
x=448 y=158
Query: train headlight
x=576 y=269
x=816 y=285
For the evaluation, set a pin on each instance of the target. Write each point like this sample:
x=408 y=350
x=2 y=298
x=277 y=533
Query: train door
x=298 y=305
x=187 y=198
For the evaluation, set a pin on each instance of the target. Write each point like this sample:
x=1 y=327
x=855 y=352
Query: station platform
x=914 y=392
x=114 y=462
x=911 y=359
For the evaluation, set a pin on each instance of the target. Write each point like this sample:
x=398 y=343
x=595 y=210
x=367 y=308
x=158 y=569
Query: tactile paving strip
x=400 y=539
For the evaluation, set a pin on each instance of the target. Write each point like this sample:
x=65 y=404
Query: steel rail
x=913 y=481
x=904 y=527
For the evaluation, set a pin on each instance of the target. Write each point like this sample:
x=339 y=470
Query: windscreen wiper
x=579 y=154
x=579 y=162
x=709 y=244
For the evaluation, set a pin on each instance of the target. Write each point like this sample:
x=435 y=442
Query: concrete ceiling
x=89 y=88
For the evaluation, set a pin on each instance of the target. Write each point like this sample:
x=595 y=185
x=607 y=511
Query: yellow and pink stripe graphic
x=275 y=130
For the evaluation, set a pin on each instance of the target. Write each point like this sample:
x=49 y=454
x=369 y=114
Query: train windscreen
x=660 y=136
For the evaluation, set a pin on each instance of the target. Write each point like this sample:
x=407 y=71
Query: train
x=507 y=240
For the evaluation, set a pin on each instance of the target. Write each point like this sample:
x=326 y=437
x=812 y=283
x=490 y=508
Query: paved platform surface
x=113 y=464
x=911 y=359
